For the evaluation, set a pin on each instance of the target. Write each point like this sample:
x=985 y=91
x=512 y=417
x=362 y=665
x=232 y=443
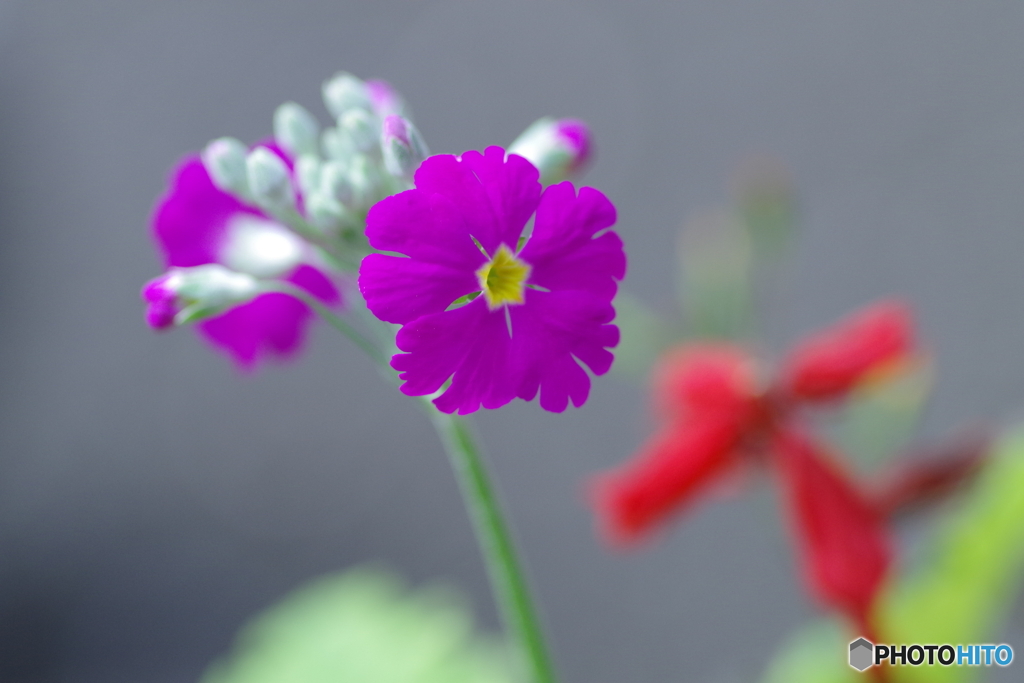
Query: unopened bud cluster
x=336 y=173
x=304 y=196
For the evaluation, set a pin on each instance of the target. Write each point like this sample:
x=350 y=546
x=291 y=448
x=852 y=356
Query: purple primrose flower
x=196 y=224
x=500 y=314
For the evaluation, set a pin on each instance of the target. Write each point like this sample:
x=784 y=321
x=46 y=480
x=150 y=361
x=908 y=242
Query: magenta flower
x=196 y=224
x=532 y=309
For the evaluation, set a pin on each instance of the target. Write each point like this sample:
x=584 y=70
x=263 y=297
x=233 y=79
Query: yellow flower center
x=503 y=278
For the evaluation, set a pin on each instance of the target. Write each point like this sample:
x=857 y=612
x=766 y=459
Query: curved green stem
x=492 y=531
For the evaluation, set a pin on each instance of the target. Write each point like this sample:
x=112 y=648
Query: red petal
x=844 y=541
x=704 y=378
x=665 y=474
x=830 y=363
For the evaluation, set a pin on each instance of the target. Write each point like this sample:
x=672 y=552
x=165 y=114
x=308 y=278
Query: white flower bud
x=213 y=285
x=359 y=129
x=328 y=214
x=295 y=129
x=307 y=174
x=335 y=182
x=343 y=92
x=269 y=180
x=558 y=148
x=224 y=159
x=335 y=145
x=402 y=146
x=364 y=177
x=184 y=295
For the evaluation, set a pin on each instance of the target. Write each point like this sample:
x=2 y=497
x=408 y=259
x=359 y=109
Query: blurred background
x=152 y=498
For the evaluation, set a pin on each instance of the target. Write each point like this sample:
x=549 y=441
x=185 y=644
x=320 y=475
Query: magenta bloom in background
x=196 y=223
x=534 y=308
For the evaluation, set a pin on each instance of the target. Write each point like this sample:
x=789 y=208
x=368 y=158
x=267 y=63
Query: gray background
x=151 y=499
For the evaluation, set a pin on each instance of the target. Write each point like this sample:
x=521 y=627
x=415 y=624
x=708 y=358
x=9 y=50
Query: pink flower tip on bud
x=160 y=299
x=559 y=148
x=402 y=146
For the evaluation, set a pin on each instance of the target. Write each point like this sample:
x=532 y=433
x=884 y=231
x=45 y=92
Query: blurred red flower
x=719 y=412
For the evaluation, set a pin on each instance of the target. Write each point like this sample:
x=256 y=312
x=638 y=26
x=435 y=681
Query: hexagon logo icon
x=861 y=654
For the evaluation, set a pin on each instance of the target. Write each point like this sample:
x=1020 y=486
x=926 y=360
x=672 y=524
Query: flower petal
x=494 y=196
x=271 y=325
x=563 y=251
x=695 y=379
x=399 y=290
x=314 y=281
x=547 y=330
x=512 y=184
x=664 y=475
x=470 y=345
x=830 y=363
x=424 y=226
x=190 y=220
x=844 y=540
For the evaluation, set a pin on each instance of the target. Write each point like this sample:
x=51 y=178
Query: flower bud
x=307 y=174
x=558 y=148
x=295 y=129
x=325 y=213
x=343 y=92
x=335 y=183
x=364 y=177
x=224 y=159
x=359 y=130
x=184 y=295
x=269 y=180
x=402 y=146
x=334 y=144
x=330 y=216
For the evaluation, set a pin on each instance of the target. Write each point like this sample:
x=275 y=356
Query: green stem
x=495 y=538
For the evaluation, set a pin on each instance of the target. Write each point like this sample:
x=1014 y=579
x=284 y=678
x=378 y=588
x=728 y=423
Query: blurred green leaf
x=816 y=653
x=363 y=626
